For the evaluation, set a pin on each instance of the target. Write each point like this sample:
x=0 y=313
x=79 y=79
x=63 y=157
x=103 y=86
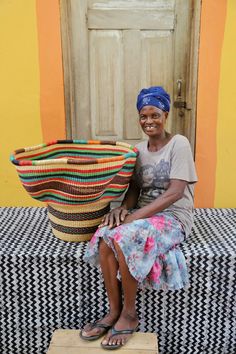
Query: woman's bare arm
x=170 y=196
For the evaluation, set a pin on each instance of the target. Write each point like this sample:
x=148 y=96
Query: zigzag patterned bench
x=45 y=285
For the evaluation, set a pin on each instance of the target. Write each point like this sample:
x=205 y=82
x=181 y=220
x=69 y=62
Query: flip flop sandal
x=104 y=326
x=114 y=332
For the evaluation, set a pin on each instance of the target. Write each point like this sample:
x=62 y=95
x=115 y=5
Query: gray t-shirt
x=154 y=170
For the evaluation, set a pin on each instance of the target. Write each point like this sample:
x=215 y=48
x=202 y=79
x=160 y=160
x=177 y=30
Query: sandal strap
x=122 y=331
x=100 y=325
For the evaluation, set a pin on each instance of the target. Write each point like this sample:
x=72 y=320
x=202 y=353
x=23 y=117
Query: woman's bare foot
x=89 y=330
x=126 y=321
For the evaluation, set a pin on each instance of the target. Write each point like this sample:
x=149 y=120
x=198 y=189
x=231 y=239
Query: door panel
x=130 y=19
x=118 y=47
x=156 y=68
x=106 y=86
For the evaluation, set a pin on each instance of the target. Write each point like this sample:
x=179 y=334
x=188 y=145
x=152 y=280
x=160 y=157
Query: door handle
x=179 y=103
x=179 y=89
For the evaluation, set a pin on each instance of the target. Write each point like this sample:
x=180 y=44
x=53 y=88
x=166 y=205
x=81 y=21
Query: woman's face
x=152 y=120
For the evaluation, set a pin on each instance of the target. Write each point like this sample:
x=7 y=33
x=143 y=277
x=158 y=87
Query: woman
x=136 y=244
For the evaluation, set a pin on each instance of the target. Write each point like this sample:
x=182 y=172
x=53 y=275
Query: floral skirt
x=151 y=250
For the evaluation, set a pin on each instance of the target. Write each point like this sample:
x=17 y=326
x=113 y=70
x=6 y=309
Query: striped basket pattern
x=77 y=179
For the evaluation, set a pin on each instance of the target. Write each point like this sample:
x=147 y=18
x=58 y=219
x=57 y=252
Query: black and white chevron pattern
x=45 y=285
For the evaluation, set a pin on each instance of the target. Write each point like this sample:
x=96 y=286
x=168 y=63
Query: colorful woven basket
x=77 y=179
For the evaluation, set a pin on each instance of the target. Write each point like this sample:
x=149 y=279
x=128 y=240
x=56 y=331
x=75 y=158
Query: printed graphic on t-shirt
x=155 y=175
x=153 y=179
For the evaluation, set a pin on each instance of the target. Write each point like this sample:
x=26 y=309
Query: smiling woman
x=153 y=105
x=138 y=242
x=152 y=120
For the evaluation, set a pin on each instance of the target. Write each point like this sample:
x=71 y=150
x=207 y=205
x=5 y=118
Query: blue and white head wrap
x=154 y=96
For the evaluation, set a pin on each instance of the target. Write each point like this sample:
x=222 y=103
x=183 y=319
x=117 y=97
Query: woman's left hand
x=114 y=218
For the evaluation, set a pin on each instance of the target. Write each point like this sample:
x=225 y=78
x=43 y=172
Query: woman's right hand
x=114 y=218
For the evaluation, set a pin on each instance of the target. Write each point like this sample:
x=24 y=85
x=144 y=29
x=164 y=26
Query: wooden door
x=113 y=48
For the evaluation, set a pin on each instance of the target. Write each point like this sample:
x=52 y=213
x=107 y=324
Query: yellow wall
x=19 y=92
x=225 y=193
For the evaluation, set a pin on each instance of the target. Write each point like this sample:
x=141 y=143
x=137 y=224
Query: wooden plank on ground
x=68 y=341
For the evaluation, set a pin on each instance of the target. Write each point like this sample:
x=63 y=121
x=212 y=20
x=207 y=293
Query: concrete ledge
x=45 y=285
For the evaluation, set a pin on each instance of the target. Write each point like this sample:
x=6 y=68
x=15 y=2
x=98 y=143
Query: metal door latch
x=179 y=103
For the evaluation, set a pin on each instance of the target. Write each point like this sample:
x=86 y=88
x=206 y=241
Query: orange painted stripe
x=213 y=17
x=51 y=71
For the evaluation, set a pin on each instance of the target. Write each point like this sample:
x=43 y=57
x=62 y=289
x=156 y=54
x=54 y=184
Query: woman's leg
x=128 y=318
x=109 y=266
